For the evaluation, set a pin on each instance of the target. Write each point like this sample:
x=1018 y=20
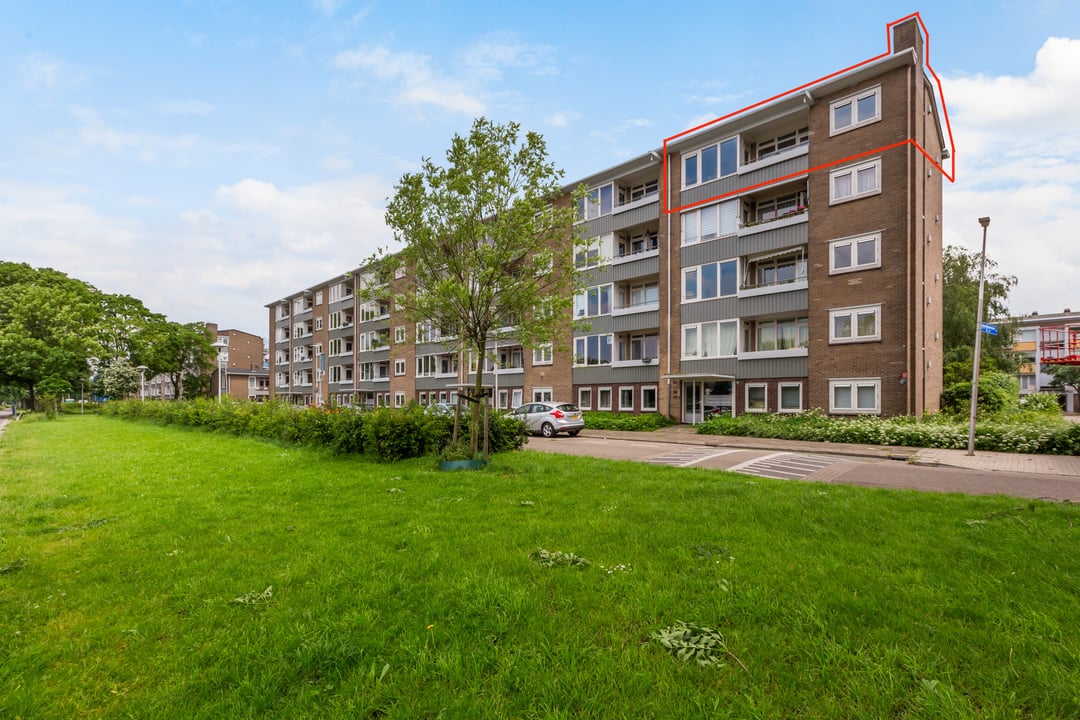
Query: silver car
x=550 y=418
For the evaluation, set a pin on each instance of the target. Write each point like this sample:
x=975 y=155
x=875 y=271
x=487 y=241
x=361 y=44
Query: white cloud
x=489 y=57
x=183 y=107
x=42 y=71
x=561 y=119
x=416 y=82
x=1018 y=161
x=327 y=7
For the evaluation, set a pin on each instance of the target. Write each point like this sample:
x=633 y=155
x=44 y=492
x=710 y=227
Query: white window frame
x=622 y=406
x=693 y=218
x=541 y=394
x=780 y=397
x=696 y=154
x=600 y=398
x=853 y=242
x=318 y=323
x=584 y=394
x=399 y=399
x=318 y=297
x=504 y=398
x=853 y=171
x=543 y=354
x=853 y=384
x=399 y=366
x=764 y=400
x=655 y=401
x=853 y=100
x=581 y=300
x=697 y=349
x=853 y=314
x=399 y=334
x=719 y=294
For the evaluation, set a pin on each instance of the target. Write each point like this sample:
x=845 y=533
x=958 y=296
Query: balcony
x=639 y=307
x=781 y=271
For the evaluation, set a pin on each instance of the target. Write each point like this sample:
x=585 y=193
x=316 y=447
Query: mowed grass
x=154 y=572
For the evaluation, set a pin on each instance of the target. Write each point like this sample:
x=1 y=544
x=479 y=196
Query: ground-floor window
x=648 y=398
x=541 y=394
x=790 y=397
x=626 y=398
x=757 y=395
x=855 y=395
x=584 y=398
x=504 y=398
x=603 y=398
x=399 y=399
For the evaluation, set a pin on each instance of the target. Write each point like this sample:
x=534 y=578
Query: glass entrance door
x=692 y=392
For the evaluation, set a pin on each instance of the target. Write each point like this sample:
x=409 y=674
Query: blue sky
x=210 y=157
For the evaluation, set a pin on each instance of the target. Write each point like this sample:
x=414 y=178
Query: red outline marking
x=887 y=53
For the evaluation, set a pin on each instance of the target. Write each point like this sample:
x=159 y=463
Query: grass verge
x=149 y=571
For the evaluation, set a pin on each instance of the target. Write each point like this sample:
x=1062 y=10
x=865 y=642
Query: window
x=856 y=324
x=769 y=335
x=584 y=398
x=626 y=398
x=318 y=297
x=399 y=334
x=592 y=350
x=855 y=111
x=543 y=355
x=639 y=347
x=778 y=207
x=1027 y=382
x=504 y=399
x=638 y=192
x=790 y=397
x=782 y=143
x=853 y=254
x=855 y=181
x=648 y=398
x=603 y=398
x=1027 y=335
x=399 y=367
x=710 y=163
x=597 y=251
x=719 y=279
x=593 y=301
x=426 y=365
x=318 y=323
x=515 y=397
x=711 y=221
x=399 y=399
x=637 y=244
x=860 y=395
x=541 y=395
x=711 y=339
x=776 y=269
x=597 y=202
x=756 y=397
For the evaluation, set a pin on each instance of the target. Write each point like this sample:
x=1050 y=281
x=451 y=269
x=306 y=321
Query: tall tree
x=179 y=351
x=960 y=298
x=485 y=244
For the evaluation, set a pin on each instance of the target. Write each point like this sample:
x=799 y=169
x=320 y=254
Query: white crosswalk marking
x=784 y=465
x=687 y=456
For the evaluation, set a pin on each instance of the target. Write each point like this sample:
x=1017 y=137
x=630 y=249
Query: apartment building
x=785 y=258
x=1044 y=340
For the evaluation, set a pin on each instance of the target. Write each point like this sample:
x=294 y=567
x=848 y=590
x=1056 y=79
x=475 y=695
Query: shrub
x=625 y=421
x=998 y=392
x=1041 y=403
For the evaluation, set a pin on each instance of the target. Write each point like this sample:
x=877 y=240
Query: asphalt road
x=846 y=469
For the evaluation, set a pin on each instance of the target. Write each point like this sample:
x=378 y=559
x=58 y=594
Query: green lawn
x=155 y=572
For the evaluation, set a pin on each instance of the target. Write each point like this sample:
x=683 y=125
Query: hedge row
x=626 y=421
x=1031 y=432
x=383 y=434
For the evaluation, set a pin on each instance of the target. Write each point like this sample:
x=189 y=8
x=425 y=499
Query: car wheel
x=547 y=430
x=573 y=433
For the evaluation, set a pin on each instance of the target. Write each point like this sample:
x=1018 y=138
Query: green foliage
x=384 y=434
x=999 y=392
x=645 y=422
x=689 y=641
x=119 y=379
x=1041 y=403
x=960 y=302
x=1065 y=375
x=1024 y=432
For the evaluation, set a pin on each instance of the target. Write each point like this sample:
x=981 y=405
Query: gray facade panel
x=632 y=269
x=721 y=309
x=795 y=301
x=616 y=375
x=724 y=248
x=342 y=332
x=597 y=326
x=638 y=321
x=774 y=368
x=597 y=226
x=431 y=383
x=636 y=216
x=769 y=240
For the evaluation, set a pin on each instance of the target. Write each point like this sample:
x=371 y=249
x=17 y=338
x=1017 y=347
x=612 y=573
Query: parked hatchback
x=550 y=418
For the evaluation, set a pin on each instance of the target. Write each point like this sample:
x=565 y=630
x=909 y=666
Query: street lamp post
x=142 y=381
x=985 y=222
x=220 y=346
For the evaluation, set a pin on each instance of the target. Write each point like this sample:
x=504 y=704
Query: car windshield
x=567 y=407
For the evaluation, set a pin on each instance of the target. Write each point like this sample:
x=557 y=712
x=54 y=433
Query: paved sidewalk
x=982 y=460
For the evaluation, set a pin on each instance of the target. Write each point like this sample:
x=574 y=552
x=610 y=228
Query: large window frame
x=593 y=301
x=584 y=398
x=709 y=222
x=853 y=248
x=598 y=201
x=649 y=398
x=782 y=405
x=846 y=184
x=696 y=338
x=710 y=281
x=626 y=392
x=712 y=162
x=756 y=397
x=848 y=396
x=593 y=350
x=852 y=111
x=847 y=325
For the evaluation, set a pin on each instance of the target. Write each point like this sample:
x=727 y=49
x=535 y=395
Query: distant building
x=1042 y=341
x=243 y=365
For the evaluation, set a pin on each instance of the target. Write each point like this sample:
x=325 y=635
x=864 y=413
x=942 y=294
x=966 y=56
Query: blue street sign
x=988 y=329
